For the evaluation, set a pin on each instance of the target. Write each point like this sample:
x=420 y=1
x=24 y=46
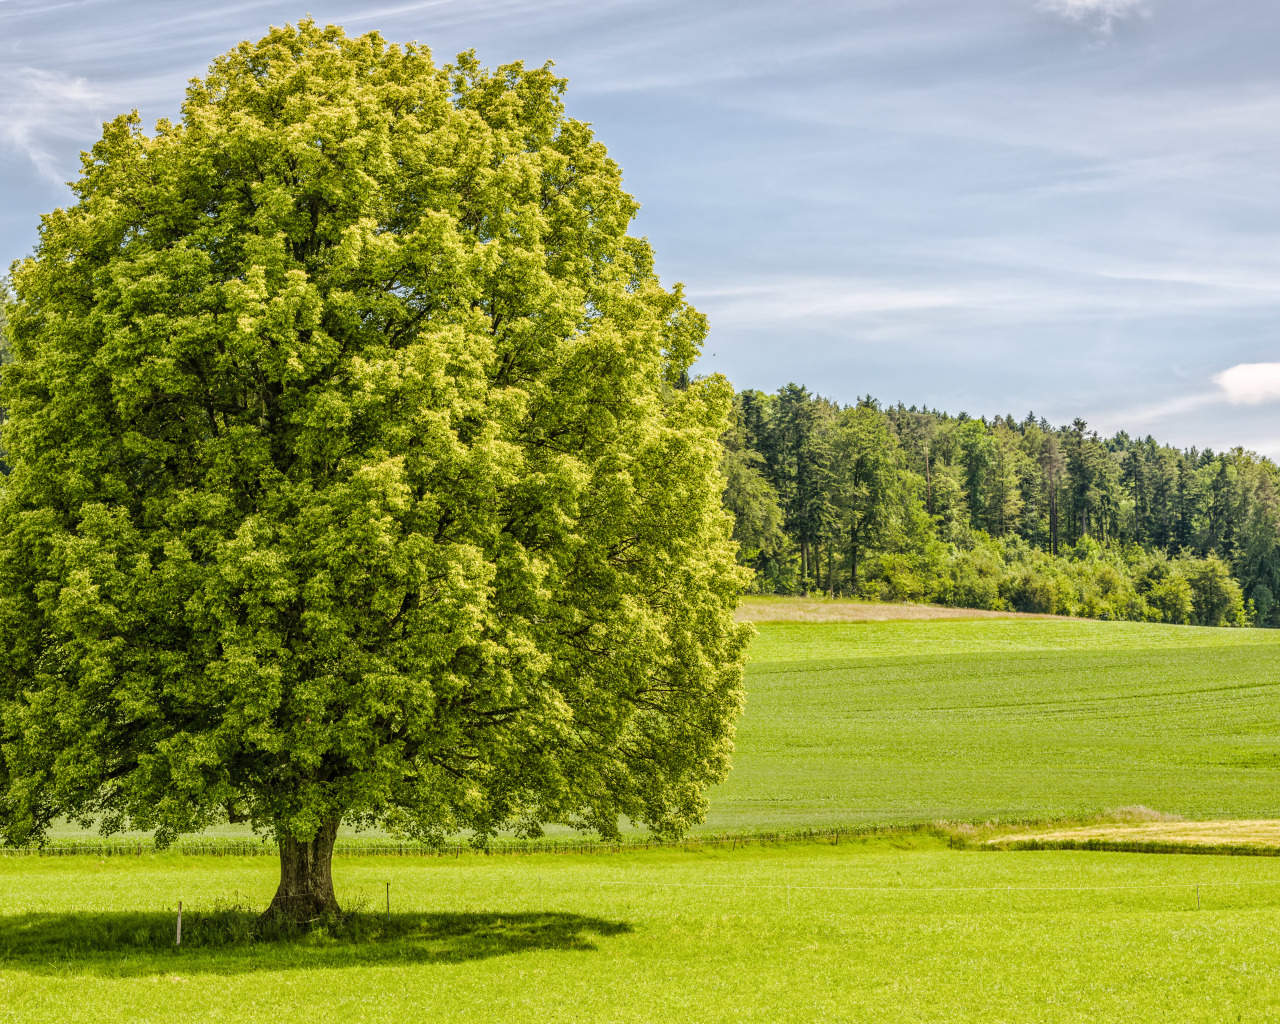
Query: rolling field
x=874 y=931
x=847 y=722
x=1013 y=718
x=1010 y=718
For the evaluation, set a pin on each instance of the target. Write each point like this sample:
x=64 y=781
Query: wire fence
x=218 y=847
x=377 y=847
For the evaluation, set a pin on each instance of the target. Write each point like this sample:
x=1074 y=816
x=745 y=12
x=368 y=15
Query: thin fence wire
x=501 y=847
x=506 y=847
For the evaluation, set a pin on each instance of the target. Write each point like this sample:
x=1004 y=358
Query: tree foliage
x=867 y=492
x=356 y=471
x=5 y=356
x=914 y=504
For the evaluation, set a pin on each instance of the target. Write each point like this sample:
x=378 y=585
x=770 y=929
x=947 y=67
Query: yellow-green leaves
x=357 y=472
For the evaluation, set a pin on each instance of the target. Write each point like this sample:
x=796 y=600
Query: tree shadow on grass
x=233 y=941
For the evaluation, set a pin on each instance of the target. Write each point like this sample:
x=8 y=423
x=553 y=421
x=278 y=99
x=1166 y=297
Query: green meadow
x=881 y=930
x=1006 y=718
x=846 y=723
x=1022 y=719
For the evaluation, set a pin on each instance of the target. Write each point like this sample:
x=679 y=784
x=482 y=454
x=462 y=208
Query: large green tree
x=4 y=358
x=869 y=492
x=357 y=475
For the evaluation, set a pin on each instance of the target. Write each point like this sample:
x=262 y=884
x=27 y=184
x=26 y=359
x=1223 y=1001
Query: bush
x=976 y=577
x=899 y=577
x=1087 y=581
x=1263 y=602
x=1216 y=597
x=1170 y=600
x=1036 y=588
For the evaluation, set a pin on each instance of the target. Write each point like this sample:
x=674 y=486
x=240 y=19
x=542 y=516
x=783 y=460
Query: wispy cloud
x=1099 y=15
x=1250 y=383
x=957 y=203
x=41 y=110
x=1245 y=384
x=1161 y=411
x=820 y=299
x=1063 y=286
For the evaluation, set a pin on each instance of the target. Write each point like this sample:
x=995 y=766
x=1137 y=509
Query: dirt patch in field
x=1262 y=832
x=801 y=609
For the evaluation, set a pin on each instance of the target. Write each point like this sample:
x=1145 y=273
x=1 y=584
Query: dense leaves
x=356 y=471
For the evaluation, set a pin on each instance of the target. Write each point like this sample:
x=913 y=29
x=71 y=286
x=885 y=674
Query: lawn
x=1010 y=718
x=880 y=930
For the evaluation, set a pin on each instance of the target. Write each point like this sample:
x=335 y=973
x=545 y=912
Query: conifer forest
x=909 y=504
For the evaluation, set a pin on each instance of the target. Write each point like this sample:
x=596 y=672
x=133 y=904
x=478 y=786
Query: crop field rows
x=1009 y=719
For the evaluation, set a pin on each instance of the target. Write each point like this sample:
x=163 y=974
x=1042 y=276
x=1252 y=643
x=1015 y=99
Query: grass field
x=875 y=931
x=1009 y=718
x=847 y=722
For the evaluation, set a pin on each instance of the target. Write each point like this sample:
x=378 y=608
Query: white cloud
x=822 y=299
x=1250 y=383
x=1099 y=15
x=1145 y=415
x=41 y=112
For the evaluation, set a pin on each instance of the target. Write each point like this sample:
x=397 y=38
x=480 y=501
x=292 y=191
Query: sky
x=997 y=206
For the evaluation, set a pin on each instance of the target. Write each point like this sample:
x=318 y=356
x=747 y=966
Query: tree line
x=913 y=504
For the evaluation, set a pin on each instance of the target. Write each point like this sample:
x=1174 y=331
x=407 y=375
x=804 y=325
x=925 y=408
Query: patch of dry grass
x=1257 y=832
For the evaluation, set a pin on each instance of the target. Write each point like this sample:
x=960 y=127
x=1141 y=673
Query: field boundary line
x=955 y=834
x=908 y=889
x=1244 y=848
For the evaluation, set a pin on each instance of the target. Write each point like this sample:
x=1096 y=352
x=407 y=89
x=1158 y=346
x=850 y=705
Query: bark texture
x=306 y=876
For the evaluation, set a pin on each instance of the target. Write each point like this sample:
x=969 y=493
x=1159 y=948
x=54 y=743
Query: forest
x=908 y=504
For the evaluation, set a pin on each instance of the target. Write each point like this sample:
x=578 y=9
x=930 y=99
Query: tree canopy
x=357 y=474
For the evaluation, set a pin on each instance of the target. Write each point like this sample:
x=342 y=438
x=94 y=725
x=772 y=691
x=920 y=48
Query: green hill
x=1021 y=718
x=1011 y=718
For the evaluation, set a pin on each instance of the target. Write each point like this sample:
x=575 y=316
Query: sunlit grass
x=883 y=930
x=845 y=723
x=1035 y=719
x=1009 y=718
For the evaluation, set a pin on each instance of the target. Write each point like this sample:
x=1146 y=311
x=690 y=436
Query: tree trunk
x=1053 y=519
x=853 y=570
x=306 y=876
x=804 y=568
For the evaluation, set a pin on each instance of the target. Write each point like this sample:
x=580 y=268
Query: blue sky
x=1066 y=206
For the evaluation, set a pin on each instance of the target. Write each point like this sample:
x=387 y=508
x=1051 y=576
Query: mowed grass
x=879 y=930
x=1011 y=718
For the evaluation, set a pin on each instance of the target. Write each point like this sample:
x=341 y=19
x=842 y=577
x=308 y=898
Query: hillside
x=1011 y=718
